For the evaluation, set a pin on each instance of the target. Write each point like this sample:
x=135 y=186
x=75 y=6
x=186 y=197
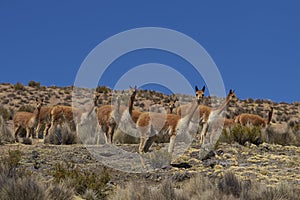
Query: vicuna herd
x=149 y=125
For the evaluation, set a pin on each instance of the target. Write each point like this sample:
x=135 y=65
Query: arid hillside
x=248 y=162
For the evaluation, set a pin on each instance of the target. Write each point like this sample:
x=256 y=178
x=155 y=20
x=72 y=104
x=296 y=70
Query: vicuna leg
x=16 y=130
x=172 y=144
x=46 y=130
x=110 y=133
x=102 y=130
x=38 y=129
x=203 y=133
x=148 y=143
x=28 y=134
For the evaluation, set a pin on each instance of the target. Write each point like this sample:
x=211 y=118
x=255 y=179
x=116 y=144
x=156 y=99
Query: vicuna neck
x=130 y=104
x=223 y=106
x=192 y=110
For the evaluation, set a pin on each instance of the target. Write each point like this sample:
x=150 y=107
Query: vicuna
x=27 y=120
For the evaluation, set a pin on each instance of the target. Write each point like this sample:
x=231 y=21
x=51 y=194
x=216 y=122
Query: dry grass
x=200 y=187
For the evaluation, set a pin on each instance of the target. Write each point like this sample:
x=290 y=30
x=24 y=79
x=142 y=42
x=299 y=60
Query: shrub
x=62 y=135
x=103 y=89
x=81 y=179
x=60 y=191
x=22 y=189
x=158 y=159
x=26 y=108
x=242 y=134
x=5 y=133
x=90 y=195
x=34 y=84
x=230 y=185
x=5 y=113
x=19 y=86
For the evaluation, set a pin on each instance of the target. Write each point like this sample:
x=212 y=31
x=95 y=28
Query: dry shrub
x=5 y=113
x=158 y=158
x=200 y=187
x=60 y=191
x=22 y=189
x=61 y=135
x=88 y=130
x=82 y=179
x=230 y=185
x=5 y=133
x=123 y=138
x=136 y=191
x=16 y=184
x=90 y=195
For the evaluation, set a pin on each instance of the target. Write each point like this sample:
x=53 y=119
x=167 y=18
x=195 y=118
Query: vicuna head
x=232 y=96
x=39 y=103
x=96 y=98
x=132 y=92
x=199 y=93
x=172 y=105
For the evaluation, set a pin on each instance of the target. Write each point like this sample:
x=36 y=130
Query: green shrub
x=19 y=86
x=103 y=89
x=242 y=134
x=34 y=84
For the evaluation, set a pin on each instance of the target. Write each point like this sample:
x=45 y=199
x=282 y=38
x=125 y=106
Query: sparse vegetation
x=229 y=187
x=5 y=133
x=271 y=164
x=61 y=135
x=242 y=134
x=103 y=89
x=81 y=179
x=34 y=84
x=19 y=86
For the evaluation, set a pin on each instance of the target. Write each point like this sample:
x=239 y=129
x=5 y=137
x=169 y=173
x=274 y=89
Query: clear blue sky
x=256 y=45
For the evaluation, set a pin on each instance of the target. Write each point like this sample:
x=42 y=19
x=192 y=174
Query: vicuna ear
x=203 y=88
x=230 y=91
x=196 y=88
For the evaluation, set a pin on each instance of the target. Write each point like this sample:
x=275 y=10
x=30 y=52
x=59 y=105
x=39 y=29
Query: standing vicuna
x=184 y=109
x=109 y=116
x=27 y=120
x=152 y=125
x=67 y=114
x=44 y=120
x=213 y=116
x=253 y=119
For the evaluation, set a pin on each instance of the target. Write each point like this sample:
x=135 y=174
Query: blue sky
x=255 y=44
